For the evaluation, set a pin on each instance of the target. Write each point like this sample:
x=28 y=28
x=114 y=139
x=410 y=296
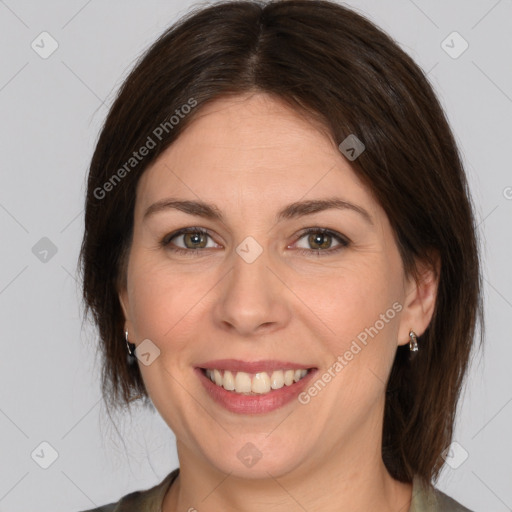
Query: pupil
x=317 y=239
x=195 y=238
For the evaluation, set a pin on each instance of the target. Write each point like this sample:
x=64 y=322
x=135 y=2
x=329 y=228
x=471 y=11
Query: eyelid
x=342 y=240
x=184 y=231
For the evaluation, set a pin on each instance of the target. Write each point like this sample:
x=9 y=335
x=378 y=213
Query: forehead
x=251 y=147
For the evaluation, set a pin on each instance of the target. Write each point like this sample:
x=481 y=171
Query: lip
x=237 y=365
x=253 y=404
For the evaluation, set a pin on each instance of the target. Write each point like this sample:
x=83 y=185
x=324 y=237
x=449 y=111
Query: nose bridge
x=251 y=294
x=250 y=266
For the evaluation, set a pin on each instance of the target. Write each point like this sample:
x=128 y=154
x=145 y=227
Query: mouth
x=253 y=387
x=254 y=383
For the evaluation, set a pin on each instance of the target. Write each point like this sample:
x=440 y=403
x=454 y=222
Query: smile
x=253 y=387
x=257 y=383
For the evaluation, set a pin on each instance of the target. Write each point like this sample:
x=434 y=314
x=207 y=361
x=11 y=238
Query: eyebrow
x=291 y=211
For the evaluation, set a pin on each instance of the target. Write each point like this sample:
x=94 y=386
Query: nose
x=253 y=298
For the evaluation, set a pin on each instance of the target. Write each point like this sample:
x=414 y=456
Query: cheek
x=361 y=309
x=160 y=298
x=354 y=299
x=360 y=304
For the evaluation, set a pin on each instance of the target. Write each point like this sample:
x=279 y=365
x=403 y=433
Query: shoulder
x=426 y=498
x=148 y=500
x=105 y=508
x=448 y=504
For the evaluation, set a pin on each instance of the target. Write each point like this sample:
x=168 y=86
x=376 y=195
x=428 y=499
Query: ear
x=125 y=306
x=420 y=299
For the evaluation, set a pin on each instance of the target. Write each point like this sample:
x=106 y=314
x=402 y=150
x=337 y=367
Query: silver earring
x=131 y=349
x=413 y=343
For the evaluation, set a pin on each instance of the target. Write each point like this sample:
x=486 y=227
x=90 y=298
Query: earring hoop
x=131 y=349
x=413 y=343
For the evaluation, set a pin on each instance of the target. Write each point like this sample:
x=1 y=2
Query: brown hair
x=334 y=65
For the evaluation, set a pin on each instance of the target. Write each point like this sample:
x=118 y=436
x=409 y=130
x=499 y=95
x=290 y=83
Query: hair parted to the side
x=336 y=67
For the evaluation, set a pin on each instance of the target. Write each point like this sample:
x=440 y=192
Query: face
x=300 y=312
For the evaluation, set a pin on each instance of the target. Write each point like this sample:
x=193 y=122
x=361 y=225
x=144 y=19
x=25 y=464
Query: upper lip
x=237 y=365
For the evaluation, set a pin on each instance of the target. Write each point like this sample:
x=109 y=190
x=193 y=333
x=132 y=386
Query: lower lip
x=254 y=404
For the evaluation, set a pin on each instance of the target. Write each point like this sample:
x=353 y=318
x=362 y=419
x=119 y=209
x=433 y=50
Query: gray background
x=51 y=112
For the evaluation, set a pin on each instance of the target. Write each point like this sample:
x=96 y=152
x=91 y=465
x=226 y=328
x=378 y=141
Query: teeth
x=277 y=380
x=288 y=377
x=228 y=381
x=243 y=382
x=259 y=383
x=217 y=377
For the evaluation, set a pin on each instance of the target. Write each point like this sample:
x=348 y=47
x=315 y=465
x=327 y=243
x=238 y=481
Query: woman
x=279 y=231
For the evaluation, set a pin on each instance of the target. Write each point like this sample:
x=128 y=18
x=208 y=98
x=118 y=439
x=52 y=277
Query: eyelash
x=343 y=242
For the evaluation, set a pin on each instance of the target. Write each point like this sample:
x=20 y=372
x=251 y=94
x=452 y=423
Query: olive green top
x=424 y=499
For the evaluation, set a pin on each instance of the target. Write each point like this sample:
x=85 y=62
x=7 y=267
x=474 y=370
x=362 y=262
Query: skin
x=251 y=155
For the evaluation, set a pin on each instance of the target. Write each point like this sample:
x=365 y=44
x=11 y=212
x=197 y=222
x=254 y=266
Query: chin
x=254 y=457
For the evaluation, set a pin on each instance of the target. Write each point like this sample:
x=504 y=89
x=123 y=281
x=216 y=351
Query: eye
x=193 y=240
x=320 y=239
